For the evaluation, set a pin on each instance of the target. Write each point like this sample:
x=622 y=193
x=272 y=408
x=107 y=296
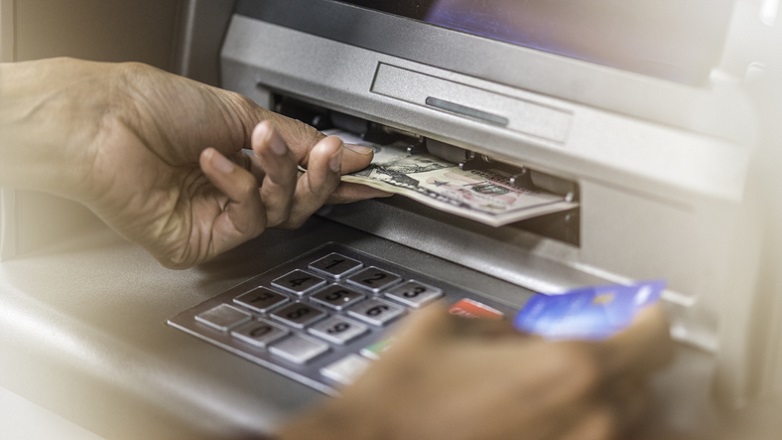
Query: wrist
x=50 y=116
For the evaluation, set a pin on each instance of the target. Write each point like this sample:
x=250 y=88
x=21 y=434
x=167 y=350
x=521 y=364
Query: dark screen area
x=679 y=40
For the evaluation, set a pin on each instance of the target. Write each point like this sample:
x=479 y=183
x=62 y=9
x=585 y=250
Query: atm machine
x=652 y=119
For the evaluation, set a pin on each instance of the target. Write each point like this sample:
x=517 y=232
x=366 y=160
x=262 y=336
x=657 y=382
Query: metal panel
x=720 y=106
x=520 y=115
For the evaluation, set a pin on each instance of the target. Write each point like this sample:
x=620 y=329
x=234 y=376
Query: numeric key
x=337 y=297
x=338 y=330
x=335 y=265
x=376 y=312
x=374 y=279
x=223 y=317
x=414 y=293
x=298 y=282
x=298 y=349
x=260 y=299
x=298 y=315
x=259 y=333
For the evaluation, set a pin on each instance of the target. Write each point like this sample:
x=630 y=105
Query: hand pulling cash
x=485 y=195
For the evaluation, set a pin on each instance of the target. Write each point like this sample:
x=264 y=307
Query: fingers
x=299 y=137
x=289 y=199
x=302 y=138
x=318 y=182
x=630 y=401
x=597 y=423
x=611 y=418
x=281 y=173
x=354 y=192
x=520 y=386
x=356 y=158
x=283 y=199
x=243 y=216
x=640 y=349
x=609 y=377
x=302 y=141
x=427 y=326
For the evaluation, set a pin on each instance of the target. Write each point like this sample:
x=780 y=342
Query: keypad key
x=223 y=317
x=378 y=348
x=376 y=312
x=346 y=370
x=337 y=297
x=298 y=349
x=298 y=282
x=338 y=330
x=374 y=279
x=335 y=265
x=414 y=293
x=259 y=333
x=261 y=299
x=298 y=315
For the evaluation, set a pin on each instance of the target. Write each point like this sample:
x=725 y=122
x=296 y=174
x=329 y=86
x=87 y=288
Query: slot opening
x=563 y=226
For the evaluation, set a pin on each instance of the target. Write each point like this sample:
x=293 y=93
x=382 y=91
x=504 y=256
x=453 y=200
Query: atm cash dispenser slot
x=563 y=226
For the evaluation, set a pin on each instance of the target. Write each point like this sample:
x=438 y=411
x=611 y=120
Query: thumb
x=355 y=158
x=643 y=347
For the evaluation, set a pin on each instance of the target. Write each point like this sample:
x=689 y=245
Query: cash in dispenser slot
x=563 y=226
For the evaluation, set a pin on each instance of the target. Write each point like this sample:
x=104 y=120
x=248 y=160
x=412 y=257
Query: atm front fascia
x=663 y=146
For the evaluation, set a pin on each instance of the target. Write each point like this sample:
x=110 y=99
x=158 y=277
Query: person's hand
x=159 y=157
x=458 y=379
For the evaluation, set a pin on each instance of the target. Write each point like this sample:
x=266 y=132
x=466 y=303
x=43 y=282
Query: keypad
x=324 y=317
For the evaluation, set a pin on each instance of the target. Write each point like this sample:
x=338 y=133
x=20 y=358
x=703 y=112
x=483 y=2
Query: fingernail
x=221 y=163
x=360 y=149
x=278 y=146
x=335 y=162
x=264 y=133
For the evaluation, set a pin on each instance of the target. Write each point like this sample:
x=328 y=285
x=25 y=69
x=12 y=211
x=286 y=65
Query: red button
x=467 y=308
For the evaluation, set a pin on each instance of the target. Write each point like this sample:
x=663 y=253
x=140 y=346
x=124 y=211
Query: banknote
x=484 y=195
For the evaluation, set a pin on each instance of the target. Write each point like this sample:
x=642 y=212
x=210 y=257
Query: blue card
x=595 y=312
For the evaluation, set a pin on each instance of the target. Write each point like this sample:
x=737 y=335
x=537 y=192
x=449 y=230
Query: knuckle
x=246 y=227
x=293 y=223
x=246 y=185
x=294 y=220
x=298 y=134
x=176 y=260
x=307 y=131
x=241 y=101
x=280 y=219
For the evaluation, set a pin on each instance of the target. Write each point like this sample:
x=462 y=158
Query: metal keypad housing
x=320 y=318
